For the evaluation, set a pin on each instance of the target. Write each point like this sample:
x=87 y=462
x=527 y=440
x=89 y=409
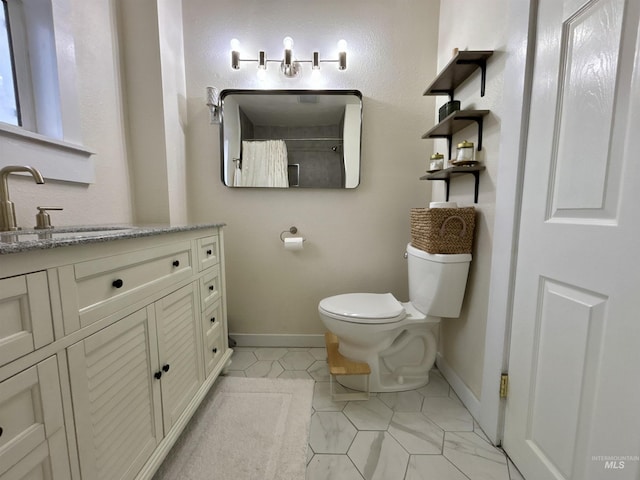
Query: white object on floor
x=246 y=429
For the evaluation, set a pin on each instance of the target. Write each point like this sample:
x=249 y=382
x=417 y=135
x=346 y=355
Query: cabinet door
x=32 y=438
x=25 y=315
x=179 y=348
x=116 y=397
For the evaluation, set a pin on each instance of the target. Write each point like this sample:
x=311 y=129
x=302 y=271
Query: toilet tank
x=437 y=282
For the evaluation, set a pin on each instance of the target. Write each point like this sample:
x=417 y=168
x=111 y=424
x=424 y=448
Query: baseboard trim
x=465 y=394
x=277 y=340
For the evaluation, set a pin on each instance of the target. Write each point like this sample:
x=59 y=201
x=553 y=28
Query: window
x=9 y=112
x=39 y=110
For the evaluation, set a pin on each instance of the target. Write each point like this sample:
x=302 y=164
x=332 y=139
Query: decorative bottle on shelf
x=465 y=154
x=436 y=162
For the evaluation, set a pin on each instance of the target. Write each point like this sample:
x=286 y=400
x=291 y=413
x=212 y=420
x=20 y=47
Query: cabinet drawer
x=208 y=252
x=210 y=287
x=25 y=315
x=212 y=318
x=48 y=461
x=105 y=285
x=214 y=347
x=30 y=413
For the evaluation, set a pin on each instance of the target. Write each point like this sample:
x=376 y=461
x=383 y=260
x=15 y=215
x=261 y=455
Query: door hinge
x=504 y=385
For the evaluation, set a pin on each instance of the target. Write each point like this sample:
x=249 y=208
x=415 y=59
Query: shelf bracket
x=476 y=175
x=448 y=91
x=480 y=122
x=447 y=183
x=483 y=72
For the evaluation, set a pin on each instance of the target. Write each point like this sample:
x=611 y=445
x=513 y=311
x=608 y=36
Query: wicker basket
x=443 y=230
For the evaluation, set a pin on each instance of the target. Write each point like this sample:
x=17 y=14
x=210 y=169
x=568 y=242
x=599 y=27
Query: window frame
x=50 y=137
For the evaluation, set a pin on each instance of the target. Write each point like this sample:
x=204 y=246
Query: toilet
x=398 y=340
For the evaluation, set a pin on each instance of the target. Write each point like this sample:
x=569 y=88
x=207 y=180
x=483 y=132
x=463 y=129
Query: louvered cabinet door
x=179 y=348
x=116 y=397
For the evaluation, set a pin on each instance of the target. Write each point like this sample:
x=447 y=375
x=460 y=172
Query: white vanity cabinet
x=144 y=338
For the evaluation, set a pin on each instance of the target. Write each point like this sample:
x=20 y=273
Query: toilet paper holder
x=293 y=230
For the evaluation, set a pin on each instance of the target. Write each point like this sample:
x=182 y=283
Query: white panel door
x=115 y=388
x=180 y=350
x=572 y=410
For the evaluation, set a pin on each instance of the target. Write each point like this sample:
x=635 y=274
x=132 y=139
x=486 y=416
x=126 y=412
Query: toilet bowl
x=398 y=340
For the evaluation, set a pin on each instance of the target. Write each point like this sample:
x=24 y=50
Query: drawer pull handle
x=209 y=252
x=211 y=288
x=117 y=283
x=176 y=263
x=214 y=350
x=158 y=375
x=213 y=319
x=0 y=431
x=165 y=368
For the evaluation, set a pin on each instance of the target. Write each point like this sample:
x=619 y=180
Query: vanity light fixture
x=289 y=65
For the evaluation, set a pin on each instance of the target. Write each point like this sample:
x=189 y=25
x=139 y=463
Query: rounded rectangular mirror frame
x=311 y=137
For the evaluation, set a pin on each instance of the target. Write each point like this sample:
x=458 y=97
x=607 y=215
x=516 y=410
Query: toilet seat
x=369 y=308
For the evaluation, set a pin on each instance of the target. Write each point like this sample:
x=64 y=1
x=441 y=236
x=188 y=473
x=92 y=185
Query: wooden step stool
x=339 y=365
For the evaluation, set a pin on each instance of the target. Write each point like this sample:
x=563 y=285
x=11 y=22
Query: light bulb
x=262 y=74
x=342 y=54
x=235 y=54
x=288 y=43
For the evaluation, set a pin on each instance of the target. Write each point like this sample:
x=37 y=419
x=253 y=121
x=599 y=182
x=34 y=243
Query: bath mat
x=245 y=429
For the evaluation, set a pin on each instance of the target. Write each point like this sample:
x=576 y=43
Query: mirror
x=291 y=138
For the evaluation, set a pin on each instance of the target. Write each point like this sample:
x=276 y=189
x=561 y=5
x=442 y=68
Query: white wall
x=474 y=26
x=108 y=200
x=355 y=238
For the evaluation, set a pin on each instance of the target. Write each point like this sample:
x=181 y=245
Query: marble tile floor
x=415 y=435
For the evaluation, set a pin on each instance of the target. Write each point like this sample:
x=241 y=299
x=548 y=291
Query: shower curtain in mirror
x=264 y=164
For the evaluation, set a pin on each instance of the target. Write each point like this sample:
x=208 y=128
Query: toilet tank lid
x=363 y=305
x=439 y=257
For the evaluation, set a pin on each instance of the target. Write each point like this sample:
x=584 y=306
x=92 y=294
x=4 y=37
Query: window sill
x=55 y=159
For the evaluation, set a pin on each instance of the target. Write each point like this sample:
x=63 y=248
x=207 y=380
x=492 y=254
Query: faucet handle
x=43 y=220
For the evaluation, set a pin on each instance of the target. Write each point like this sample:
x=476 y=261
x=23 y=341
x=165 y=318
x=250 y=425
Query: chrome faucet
x=7 y=209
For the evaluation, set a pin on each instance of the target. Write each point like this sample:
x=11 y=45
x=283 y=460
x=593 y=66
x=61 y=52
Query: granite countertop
x=26 y=240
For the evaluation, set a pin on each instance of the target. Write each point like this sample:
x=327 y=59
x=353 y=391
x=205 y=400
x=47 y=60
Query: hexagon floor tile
x=332 y=467
x=331 y=432
x=297 y=361
x=372 y=414
x=378 y=456
x=416 y=433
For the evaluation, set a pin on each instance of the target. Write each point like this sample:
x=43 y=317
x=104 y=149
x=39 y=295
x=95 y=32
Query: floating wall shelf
x=447 y=173
x=458 y=70
x=456 y=122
